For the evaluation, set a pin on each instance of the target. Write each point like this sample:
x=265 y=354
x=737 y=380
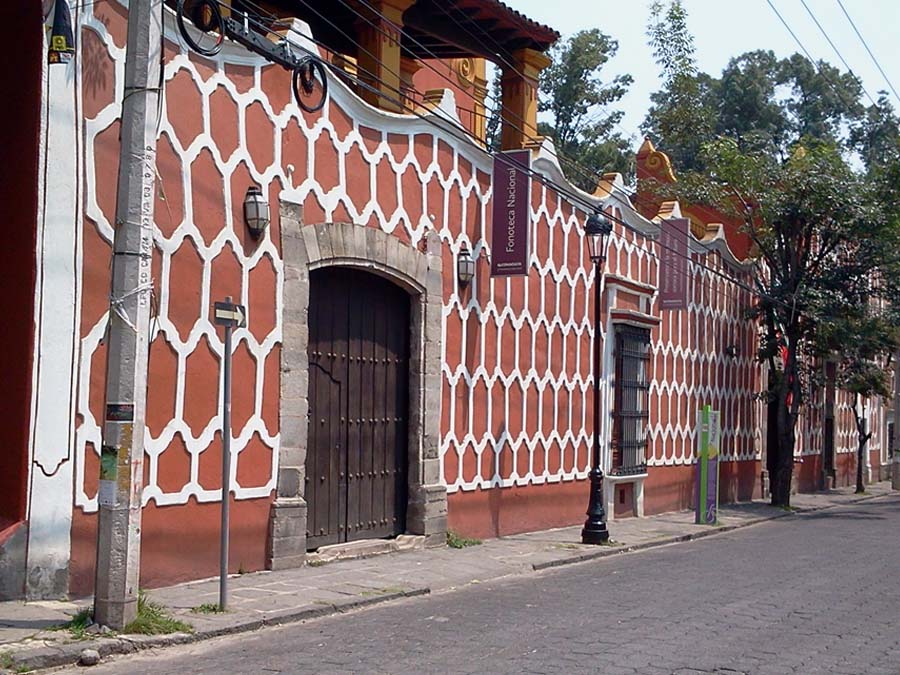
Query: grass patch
x=80 y=622
x=456 y=541
x=77 y=626
x=316 y=563
x=207 y=608
x=152 y=619
x=788 y=508
x=8 y=663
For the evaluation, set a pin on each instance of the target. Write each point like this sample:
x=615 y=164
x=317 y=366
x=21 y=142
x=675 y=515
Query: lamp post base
x=594 y=531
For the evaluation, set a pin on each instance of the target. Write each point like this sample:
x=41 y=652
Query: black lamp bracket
x=306 y=68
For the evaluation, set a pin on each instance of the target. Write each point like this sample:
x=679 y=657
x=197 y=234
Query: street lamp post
x=597 y=231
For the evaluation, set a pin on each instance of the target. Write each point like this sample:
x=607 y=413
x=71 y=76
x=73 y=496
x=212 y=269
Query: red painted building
x=375 y=394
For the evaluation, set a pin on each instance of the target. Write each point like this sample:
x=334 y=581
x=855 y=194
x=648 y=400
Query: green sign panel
x=709 y=439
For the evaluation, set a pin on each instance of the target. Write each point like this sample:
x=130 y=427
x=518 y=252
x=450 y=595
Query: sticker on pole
x=229 y=314
x=120 y=412
x=106 y=493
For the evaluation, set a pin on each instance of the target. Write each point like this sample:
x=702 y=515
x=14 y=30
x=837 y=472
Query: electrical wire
x=563 y=191
x=498 y=105
x=815 y=64
x=596 y=176
x=865 y=44
x=574 y=198
x=836 y=50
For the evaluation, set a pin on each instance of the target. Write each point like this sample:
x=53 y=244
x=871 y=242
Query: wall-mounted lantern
x=465 y=266
x=256 y=211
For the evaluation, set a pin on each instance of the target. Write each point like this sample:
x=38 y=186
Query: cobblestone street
x=806 y=594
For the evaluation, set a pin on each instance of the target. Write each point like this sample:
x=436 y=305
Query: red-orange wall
x=499 y=512
x=178 y=543
x=180 y=539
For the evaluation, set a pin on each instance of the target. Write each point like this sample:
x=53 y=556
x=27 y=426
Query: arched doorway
x=358 y=422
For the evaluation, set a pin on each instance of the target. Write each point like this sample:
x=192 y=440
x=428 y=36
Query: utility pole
x=122 y=455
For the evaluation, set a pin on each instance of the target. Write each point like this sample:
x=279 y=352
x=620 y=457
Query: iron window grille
x=632 y=395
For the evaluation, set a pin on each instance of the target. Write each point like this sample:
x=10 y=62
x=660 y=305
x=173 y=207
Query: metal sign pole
x=230 y=316
x=226 y=467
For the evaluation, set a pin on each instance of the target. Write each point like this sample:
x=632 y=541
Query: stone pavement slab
x=267 y=598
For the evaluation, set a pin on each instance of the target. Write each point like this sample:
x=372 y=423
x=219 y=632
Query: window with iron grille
x=632 y=395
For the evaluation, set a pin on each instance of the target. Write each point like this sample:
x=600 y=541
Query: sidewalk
x=269 y=598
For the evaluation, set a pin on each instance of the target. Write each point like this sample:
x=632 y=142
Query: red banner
x=673 y=263
x=511 y=214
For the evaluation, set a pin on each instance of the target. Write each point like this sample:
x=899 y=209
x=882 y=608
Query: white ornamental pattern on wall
x=688 y=373
x=697 y=370
x=377 y=157
x=374 y=157
x=202 y=334
x=526 y=367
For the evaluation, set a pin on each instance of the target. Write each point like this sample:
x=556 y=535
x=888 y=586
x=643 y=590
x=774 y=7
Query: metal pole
x=595 y=455
x=226 y=467
x=594 y=530
x=121 y=475
x=895 y=460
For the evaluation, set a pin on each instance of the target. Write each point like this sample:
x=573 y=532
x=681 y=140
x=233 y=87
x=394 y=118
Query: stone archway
x=309 y=247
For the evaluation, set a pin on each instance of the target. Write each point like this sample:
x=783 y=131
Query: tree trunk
x=772 y=427
x=860 y=454
x=784 y=464
x=862 y=442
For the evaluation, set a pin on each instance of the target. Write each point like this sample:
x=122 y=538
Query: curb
x=68 y=654
x=665 y=541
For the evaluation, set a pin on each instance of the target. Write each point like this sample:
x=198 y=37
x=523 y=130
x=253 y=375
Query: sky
x=726 y=28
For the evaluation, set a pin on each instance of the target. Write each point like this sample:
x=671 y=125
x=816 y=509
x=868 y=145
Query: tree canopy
x=759 y=101
x=771 y=147
x=580 y=103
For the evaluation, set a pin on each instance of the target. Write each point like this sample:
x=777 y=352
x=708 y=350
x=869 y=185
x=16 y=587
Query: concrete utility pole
x=121 y=462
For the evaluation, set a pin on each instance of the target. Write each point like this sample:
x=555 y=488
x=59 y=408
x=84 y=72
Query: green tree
x=876 y=136
x=579 y=101
x=759 y=101
x=822 y=233
x=823 y=101
x=492 y=129
x=682 y=115
x=862 y=339
x=746 y=103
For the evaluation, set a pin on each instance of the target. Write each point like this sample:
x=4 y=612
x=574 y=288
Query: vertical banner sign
x=708 y=440
x=673 y=263
x=511 y=219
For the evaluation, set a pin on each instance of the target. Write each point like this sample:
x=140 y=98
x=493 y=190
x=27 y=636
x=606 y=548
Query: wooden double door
x=356 y=462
